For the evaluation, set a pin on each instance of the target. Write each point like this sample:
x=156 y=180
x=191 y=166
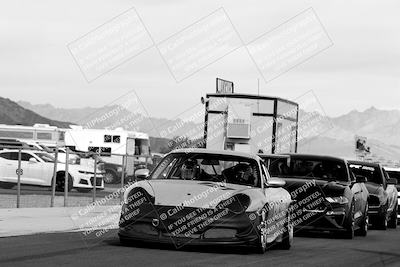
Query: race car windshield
x=327 y=170
x=209 y=167
x=373 y=174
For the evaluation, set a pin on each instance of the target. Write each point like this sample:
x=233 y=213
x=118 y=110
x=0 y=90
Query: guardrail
x=18 y=155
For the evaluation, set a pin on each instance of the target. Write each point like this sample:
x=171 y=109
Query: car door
x=28 y=176
x=47 y=170
x=34 y=169
x=8 y=167
x=12 y=168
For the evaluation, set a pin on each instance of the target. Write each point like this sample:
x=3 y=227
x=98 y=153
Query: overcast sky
x=360 y=70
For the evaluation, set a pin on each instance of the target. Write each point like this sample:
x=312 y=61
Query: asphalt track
x=379 y=248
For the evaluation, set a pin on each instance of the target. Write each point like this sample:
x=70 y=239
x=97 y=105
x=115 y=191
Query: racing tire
x=349 y=229
x=110 y=177
x=381 y=222
x=261 y=245
x=60 y=180
x=363 y=230
x=6 y=185
x=287 y=236
x=392 y=223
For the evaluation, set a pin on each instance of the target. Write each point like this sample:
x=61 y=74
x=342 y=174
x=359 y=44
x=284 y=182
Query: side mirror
x=361 y=179
x=142 y=174
x=33 y=160
x=392 y=181
x=275 y=182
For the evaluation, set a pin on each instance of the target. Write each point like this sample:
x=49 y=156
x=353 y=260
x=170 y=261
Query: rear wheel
x=393 y=218
x=110 y=177
x=380 y=222
x=364 y=224
x=60 y=182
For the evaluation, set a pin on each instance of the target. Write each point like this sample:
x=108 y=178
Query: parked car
x=113 y=172
x=329 y=197
x=9 y=143
x=37 y=168
x=205 y=197
x=73 y=158
x=382 y=191
x=394 y=173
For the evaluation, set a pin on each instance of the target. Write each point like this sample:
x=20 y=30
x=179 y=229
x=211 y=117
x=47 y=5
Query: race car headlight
x=138 y=195
x=236 y=204
x=73 y=161
x=337 y=200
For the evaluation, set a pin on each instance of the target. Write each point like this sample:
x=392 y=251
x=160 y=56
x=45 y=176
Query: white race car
x=37 y=168
x=205 y=197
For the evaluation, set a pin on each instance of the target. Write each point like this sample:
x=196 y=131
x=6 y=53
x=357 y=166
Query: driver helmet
x=190 y=169
x=245 y=173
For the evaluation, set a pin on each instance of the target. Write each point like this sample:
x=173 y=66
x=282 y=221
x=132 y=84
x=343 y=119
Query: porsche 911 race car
x=205 y=197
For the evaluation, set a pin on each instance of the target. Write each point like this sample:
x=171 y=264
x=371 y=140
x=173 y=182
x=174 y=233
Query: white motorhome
x=38 y=133
x=110 y=144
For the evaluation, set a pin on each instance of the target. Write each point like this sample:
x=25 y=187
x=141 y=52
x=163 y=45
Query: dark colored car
x=206 y=197
x=382 y=191
x=113 y=172
x=328 y=196
x=395 y=173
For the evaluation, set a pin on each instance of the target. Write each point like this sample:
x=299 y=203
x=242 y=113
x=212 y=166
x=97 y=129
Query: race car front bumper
x=85 y=181
x=325 y=218
x=188 y=226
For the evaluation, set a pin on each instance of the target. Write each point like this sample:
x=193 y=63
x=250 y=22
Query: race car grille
x=220 y=233
x=98 y=181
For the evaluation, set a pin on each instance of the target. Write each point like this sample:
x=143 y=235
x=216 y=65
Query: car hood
x=75 y=168
x=198 y=194
x=299 y=187
x=374 y=189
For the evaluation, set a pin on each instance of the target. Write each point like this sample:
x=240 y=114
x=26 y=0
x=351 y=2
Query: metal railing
x=9 y=153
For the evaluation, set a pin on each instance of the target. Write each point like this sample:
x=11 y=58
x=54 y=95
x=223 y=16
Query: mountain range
x=334 y=137
x=13 y=114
